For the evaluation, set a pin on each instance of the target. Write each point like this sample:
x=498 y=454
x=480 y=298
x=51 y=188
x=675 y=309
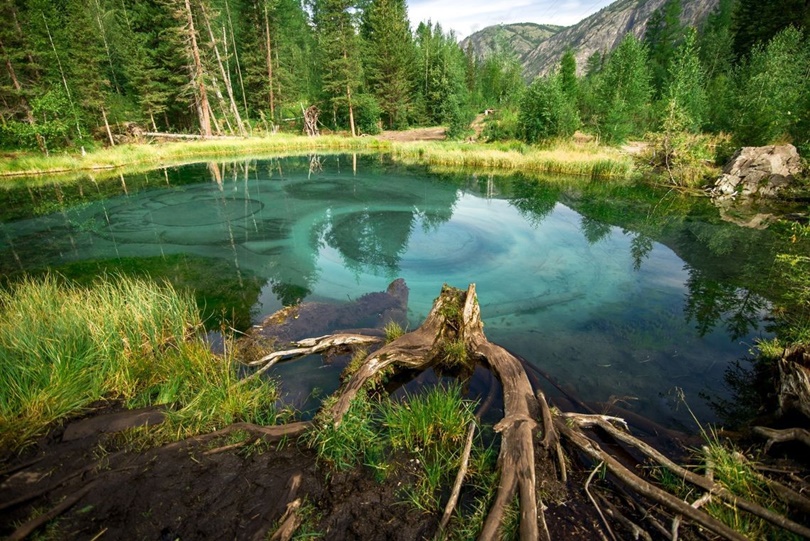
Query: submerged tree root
x=455 y=318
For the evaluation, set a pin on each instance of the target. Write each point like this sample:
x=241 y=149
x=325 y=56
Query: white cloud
x=467 y=16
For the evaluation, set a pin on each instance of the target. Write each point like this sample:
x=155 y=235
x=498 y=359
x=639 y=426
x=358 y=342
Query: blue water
x=599 y=306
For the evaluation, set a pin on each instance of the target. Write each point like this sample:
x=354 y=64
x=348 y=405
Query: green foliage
x=444 y=98
x=623 y=92
x=454 y=353
x=354 y=441
x=546 y=112
x=686 y=102
x=771 y=102
x=390 y=55
x=367 y=114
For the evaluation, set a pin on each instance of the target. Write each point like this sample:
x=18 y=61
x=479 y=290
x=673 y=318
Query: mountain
x=602 y=32
x=522 y=38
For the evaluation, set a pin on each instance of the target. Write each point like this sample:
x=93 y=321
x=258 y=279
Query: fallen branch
x=594 y=502
x=269 y=434
x=310 y=346
x=780 y=436
x=462 y=472
x=698 y=480
x=636 y=530
x=639 y=485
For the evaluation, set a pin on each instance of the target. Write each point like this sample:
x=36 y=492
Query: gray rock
x=759 y=171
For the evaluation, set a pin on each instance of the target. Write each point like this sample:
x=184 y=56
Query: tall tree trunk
x=197 y=79
x=269 y=63
x=349 y=98
x=236 y=57
x=107 y=127
x=29 y=114
x=225 y=77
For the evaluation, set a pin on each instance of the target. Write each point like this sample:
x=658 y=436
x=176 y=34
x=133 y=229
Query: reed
x=63 y=347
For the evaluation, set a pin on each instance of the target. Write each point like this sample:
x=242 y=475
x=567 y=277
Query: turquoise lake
x=620 y=293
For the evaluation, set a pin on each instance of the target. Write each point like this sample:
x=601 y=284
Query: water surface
x=619 y=293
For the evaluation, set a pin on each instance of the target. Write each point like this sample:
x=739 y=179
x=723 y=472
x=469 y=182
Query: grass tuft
x=63 y=347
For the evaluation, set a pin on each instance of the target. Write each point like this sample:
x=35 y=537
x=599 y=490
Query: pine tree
x=339 y=49
x=663 y=34
x=389 y=58
x=568 y=76
x=757 y=22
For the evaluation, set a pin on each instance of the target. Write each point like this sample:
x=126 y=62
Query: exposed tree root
x=462 y=472
x=32 y=525
x=781 y=436
x=455 y=318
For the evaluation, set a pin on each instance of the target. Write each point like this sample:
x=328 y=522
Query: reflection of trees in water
x=710 y=302
x=750 y=383
x=640 y=247
x=534 y=199
x=371 y=241
x=593 y=230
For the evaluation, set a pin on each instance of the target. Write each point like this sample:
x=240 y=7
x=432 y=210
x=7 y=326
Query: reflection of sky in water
x=580 y=310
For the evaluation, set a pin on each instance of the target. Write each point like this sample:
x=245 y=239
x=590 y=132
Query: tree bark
x=197 y=76
x=269 y=52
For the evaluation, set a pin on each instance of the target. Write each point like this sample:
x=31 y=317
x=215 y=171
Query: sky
x=468 y=16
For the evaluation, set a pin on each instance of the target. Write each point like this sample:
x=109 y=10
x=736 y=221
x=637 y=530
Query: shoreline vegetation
x=564 y=158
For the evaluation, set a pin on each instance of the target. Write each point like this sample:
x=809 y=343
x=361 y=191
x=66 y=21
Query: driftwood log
x=530 y=430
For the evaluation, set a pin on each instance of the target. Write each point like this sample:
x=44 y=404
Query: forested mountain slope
x=522 y=38
x=601 y=32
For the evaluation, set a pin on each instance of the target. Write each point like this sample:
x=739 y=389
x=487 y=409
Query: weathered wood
x=781 y=436
x=462 y=473
x=311 y=346
x=639 y=485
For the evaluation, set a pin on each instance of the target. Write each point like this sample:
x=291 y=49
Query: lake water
x=618 y=292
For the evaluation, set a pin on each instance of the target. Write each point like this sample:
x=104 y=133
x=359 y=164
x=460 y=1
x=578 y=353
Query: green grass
x=393 y=330
x=428 y=430
x=736 y=473
x=157 y=154
x=564 y=158
x=63 y=347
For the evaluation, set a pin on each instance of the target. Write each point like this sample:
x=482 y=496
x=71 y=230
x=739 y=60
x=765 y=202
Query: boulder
x=759 y=171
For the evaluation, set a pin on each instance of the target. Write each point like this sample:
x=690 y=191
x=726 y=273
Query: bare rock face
x=759 y=171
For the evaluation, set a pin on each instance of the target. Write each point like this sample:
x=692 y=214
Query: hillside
x=522 y=38
x=601 y=31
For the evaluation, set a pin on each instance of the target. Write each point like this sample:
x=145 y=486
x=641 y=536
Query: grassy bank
x=156 y=154
x=63 y=347
x=589 y=161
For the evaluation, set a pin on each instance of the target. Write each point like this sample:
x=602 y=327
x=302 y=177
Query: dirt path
x=437 y=133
